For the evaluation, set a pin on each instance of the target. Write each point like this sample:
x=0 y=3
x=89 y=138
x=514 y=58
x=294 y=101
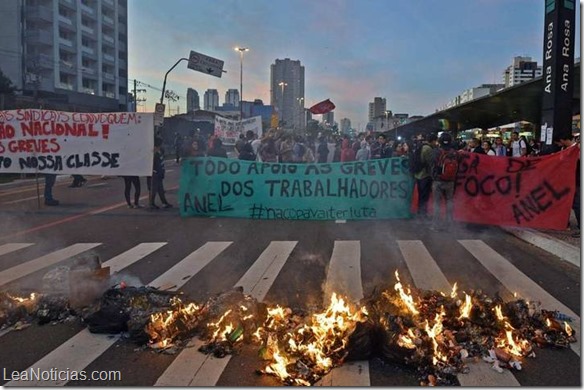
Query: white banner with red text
x=46 y=141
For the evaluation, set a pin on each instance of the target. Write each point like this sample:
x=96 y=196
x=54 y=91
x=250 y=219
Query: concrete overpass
x=522 y=102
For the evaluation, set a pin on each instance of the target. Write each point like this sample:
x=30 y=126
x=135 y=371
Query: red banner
x=535 y=192
x=322 y=107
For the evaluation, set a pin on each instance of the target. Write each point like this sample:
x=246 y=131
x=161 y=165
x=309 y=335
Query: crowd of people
x=433 y=161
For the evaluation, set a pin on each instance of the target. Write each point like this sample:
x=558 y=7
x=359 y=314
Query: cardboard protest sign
x=374 y=189
x=46 y=141
x=535 y=192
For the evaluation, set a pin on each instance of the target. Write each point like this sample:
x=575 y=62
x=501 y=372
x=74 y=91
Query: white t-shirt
x=517 y=146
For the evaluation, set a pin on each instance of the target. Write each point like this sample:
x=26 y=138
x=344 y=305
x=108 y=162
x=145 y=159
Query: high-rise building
x=329 y=118
x=68 y=54
x=287 y=92
x=345 y=126
x=232 y=97
x=211 y=99
x=377 y=108
x=522 y=69
x=193 y=102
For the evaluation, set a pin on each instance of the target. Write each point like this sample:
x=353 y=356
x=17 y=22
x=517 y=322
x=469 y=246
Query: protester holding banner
x=157 y=181
x=49 y=183
x=128 y=182
x=422 y=173
x=444 y=167
x=567 y=141
x=246 y=151
x=347 y=153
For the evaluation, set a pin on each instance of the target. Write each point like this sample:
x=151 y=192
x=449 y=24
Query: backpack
x=446 y=166
x=528 y=148
x=415 y=156
x=247 y=153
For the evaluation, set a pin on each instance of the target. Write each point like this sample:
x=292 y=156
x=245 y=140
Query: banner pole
x=36 y=177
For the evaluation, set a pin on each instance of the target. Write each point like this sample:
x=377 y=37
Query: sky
x=417 y=54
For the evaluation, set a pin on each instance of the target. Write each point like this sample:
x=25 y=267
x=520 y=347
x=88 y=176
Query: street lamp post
x=282 y=85
x=241 y=50
x=301 y=113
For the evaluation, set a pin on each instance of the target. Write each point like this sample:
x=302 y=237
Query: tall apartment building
x=287 y=92
x=193 y=103
x=232 y=97
x=211 y=99
x=377 y=108
x=522 y=69
x=70 y=54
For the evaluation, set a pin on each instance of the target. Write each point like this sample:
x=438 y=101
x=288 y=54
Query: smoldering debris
x=434 y=334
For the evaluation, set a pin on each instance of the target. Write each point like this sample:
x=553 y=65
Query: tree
x=6 y=86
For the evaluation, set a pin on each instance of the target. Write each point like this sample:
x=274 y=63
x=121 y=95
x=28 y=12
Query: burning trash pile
x=428 y=331
x=433 y=333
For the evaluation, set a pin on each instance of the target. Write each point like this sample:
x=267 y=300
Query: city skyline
x=416 y=54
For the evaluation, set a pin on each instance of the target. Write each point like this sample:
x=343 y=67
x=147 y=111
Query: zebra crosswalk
x=343 y=271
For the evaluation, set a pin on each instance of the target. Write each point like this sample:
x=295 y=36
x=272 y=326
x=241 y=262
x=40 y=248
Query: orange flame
x=568 y=329
x=513 y=344
x=406 y=297
x=466 y=307
x=499 y=313
x=435 y=333
x=454 y=293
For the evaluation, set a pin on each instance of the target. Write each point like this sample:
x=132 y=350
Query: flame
x=499 y=313
x=513 y=344
x=30 y=298
x=221 y=332
x=568 y=329
x=317 y=344
x=406 y=297
x=454 y=293
x=466 y=307
x=434 y=333
x=548 y=322
x=407 y=340
x=163 y=328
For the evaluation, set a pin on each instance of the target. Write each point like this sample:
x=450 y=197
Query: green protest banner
x=373 y=189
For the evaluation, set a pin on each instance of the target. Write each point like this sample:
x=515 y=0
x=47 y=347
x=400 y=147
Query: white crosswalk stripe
x=343 y=276
x=129 y=257
x=83 y=348
x=7 y=248
x=192 y=368
x=517 y=281
x=427 y=275
x=29 y=267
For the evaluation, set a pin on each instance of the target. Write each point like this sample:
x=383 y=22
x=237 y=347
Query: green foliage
x=6 y=86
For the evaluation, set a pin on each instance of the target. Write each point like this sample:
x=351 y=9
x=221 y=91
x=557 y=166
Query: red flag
x=322 y=107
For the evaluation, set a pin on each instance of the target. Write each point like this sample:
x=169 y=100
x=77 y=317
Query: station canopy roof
x=521 y=102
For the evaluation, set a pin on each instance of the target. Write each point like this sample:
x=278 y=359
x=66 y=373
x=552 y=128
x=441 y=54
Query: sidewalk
x=557 y=242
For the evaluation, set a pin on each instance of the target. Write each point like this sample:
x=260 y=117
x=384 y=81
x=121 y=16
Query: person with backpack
x=420 y=163
x=246 y=151
x=444 y=168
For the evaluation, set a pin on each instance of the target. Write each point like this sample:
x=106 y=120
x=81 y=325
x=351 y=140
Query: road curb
x=24 y=182
x=563 y=250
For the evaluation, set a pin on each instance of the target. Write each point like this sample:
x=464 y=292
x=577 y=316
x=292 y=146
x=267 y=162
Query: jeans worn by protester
x=49 y=183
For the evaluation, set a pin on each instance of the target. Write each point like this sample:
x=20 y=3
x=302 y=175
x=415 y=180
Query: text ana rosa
x=120 y=118
x=55 y=163
x=49 y=128
x=209 y=167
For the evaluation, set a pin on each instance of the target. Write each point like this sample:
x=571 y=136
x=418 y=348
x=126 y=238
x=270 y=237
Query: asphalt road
x=484 y=258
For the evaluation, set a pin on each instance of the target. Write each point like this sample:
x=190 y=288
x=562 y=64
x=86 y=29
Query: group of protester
x=433 y=161
x=285 y=147
x=434 y=164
